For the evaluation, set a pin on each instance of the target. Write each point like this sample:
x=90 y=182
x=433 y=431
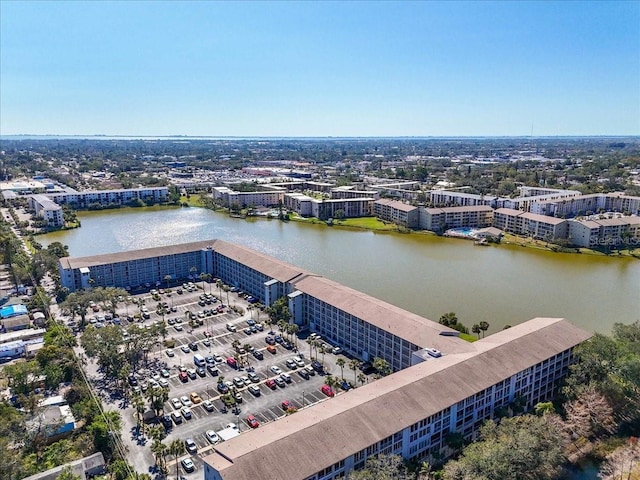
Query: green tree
x=176 y=448
x=382 y=467
x=341 y=362
x=519 y=448
x=484 y=326
x=476 y=329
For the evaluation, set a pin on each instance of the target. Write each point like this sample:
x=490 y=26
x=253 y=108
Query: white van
x=198 y=360
x=231 y=327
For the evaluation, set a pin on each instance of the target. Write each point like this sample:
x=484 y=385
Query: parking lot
x=215 y=342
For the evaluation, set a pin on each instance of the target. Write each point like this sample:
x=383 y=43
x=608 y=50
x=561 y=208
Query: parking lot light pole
x=303 y=399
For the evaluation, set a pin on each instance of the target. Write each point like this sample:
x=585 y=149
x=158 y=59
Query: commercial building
x=397 y=212
x=433 y=391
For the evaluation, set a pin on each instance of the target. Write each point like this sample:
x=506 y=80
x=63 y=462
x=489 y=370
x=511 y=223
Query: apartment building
x=537 y=226
x=397 y=212
x=408 y=413
x=47 y=209
x=589 y=204
x=606 y=232
x=230 y=197
x=349 y=191
x=525 y=204
x=110 y=197
x=348 y=207
x=299 y=203
x=445 y=198
x=441 y=219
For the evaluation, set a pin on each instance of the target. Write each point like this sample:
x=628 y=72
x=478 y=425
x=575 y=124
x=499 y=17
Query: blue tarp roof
x=13 y=310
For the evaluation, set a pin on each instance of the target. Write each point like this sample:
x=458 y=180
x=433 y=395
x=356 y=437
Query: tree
x=157 y=396
x=279 y=311
x=340 y=362
x=476 y=329
x=484 y=326
x=382 y=366
x=353 y=365
x=382 y=467
x=448 y=319
x=519 y=448
x=167 y=278
x=176 y=448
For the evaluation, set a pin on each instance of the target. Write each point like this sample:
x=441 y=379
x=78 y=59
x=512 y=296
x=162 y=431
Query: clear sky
x=320 y=68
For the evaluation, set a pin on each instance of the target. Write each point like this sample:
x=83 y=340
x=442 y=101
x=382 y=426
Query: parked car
x=286 y=405
x=212 y=437
x=286 y=377
x=258 y=354
x=207 y=405
x=276 y=369
x=298 y=361
x=252 y=421
x=253 y=377
x=185 y=401
x=271 y=384
x=190 y=446
x=166 y=421
x=290 y=363
x=192 y=373
x=183 y=377
x=213 y=370
x=176 y=403
x=254 y=390
x=170 y=352
x=271 y=349
x=327 y=390
x=303 y=373
x=176 y=416
x=186 y=412
x=187 y=464
x=185 y=349
x=195 y=398
x=280 y=382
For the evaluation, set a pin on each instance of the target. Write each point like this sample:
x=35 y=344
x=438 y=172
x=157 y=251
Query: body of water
x=425 y=274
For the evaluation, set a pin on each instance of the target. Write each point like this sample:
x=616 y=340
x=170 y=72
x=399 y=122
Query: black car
x=166 y=421
x=193 y=346
x=258 y=354
x=317 y=366
x=213 y=370
x=222 y=388
x=366 y=368
x=304 y=374
x=133 y=381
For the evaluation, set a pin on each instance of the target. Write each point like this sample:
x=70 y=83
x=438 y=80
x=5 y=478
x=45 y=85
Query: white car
x=170 y=352
x=185 y=401
x=212 y=437
x=176 y=403
x=298 y=361
x=275 y=369
x=246 y=380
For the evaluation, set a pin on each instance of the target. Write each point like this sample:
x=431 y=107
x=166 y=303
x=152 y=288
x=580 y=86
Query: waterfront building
x=47 y=209
x=432 y=391
x=525 y=204
x=536 y=226
x=588 y=205
x=397 y=212
x=409 y=413
x=299 y=203
x=105 y=198
x=605 y=232
x=441 y=219
x=348 y=207
x=261 y=198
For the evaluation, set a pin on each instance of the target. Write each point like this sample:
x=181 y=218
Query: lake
x=425 y=274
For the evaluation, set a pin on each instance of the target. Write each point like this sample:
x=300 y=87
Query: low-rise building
x=441 y=219
x=47 y=209
x=397 y=212
x=605 y=232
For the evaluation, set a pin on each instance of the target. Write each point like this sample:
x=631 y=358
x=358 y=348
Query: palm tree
x=293 y=330
x=341 y=363
x=138 y=405
x=203 y=277
x=476 y=329
x=353 y=365
x=192 y=270
x=382 y=366
x=362 y=378
x=167 y=278
x=484 y=326
x=159 y=451
x=219 y=285
x=322 y=351
x=176 y=448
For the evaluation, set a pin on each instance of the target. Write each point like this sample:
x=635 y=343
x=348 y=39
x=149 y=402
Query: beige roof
x=409 y=326
x=405 y=207
x=467 y=208
x=302 y=444
x=79 y=262
x=281 y=271
x=543 y=218
x=508 y=211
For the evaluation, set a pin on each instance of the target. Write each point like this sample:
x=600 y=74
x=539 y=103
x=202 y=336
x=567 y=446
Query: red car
x=252 y=421
x=286 y=405
x=183 y=376
x=327 y=390
x=271 y=384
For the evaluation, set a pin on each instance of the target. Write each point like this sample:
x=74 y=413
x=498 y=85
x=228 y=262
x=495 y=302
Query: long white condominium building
x=110 y=197
x=441 y=383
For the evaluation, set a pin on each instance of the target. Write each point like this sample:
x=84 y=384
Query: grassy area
x=367 y=223
x=468 y=337
x=193 y=200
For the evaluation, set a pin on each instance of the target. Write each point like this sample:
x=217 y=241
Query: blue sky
x=320 y=68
